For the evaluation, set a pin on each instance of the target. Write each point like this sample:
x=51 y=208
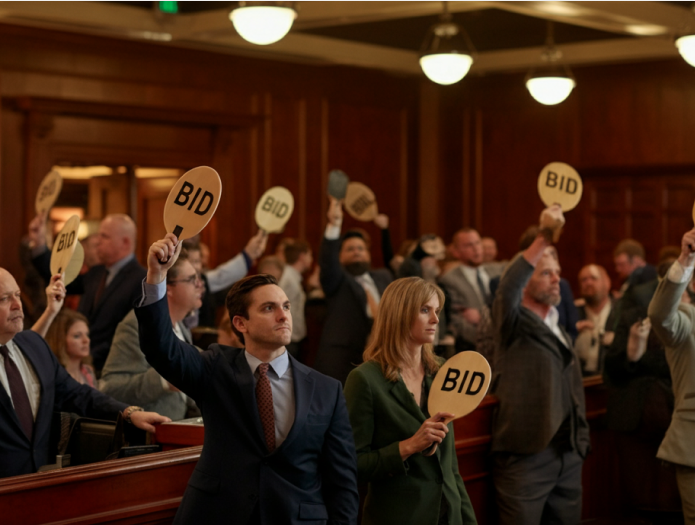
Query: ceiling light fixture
x=686 y=47
x=551 y=83
x=263 y=23
x=447 y=52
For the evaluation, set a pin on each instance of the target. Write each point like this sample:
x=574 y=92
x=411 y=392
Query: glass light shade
x=262 y=25
x=550 y=90
x=686 y=47
x=446 y=68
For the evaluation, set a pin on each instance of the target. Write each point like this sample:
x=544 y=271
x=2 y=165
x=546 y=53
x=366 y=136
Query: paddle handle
x=177 y=231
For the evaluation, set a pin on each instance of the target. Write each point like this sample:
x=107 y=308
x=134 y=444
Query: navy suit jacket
x=117 y=299
x=59 y=392
x=311 y=476
x=347 y=326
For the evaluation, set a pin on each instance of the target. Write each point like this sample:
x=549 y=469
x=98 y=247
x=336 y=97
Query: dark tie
x=264 y=398
x=100 y=288
x=18 y=391
x=484 y=292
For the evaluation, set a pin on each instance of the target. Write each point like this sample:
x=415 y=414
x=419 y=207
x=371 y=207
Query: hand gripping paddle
x=192 y=202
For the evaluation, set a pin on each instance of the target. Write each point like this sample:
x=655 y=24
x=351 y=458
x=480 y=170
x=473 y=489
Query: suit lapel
x=401 y=393
x=303 y=394
x=244 y=380
x=113 y=285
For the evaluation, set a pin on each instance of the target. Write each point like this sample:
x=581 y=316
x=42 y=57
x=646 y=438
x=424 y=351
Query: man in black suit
x=109 y=289
x=278 y=442
x=33 y=385
x=352 y=292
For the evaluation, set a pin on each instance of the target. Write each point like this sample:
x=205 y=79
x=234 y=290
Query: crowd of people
x=360 y=412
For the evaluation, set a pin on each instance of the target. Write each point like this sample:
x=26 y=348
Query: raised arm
x=673 y=326
x=331 y=271
x=55 y=297
x=227 y=273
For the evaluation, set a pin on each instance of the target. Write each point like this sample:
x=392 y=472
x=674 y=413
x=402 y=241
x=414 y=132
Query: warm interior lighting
x=262 y=24
x=445 y=68
x=550 y=90
x=553 y=82
x=446 y=54
x=686 y=47
x=83 y=172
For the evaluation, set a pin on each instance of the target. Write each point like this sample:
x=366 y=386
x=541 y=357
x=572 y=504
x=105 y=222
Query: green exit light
x=169 y=7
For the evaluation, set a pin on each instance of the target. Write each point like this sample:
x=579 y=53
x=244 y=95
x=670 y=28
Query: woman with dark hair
x=410 y=481
x=68 y=337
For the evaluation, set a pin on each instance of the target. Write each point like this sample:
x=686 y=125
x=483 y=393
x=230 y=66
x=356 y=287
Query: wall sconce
x=263 y=23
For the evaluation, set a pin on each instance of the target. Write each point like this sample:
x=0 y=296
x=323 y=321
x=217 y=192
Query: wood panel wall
x=88 y=100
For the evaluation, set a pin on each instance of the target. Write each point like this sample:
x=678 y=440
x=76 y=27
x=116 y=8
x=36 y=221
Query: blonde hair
x=400 y=305
x=57 y=335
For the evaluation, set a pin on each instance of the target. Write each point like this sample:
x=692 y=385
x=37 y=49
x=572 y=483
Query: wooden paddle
x=192 y=202
x=74 y=267
x=360 y=202
x=48 y=192
x=337 y=184
x=274 y=209
x=64 y=246
x=559 y=183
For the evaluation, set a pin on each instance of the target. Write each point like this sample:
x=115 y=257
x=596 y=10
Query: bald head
x=117 y=235
x=11 y=314
x=594 y=284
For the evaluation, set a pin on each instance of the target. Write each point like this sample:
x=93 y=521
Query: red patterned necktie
x=264 y=398
x=20 y=399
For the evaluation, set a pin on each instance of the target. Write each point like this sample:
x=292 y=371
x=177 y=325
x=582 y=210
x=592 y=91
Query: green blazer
x=382 y=414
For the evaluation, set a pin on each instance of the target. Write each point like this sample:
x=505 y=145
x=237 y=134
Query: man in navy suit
x=33 y=385
x=109 y=289
x=278 y=442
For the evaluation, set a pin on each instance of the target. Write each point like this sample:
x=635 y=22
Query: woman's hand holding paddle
x=432 y=432
x=166 y=249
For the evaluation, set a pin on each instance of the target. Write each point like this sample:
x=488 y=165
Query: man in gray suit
x=126 y=375
x=468 y=286
x=540 y=434
x=674 y=323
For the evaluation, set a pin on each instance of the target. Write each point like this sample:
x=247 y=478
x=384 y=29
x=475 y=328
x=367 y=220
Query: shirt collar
x=279 y=365
x=118 y=266
x=552 y=317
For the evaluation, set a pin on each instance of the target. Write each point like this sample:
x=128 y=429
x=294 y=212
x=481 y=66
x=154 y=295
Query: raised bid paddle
x=192 y=202
x=559 y=183
x=64 y=246
x=74 y=267
x=274 y=209
x=460 y=385
x=48 y=192
x=337 y=184
x=360 y=202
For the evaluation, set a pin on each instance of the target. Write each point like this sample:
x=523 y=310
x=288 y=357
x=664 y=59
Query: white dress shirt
x=29 y=377
x=551 y=321
x=282 y=385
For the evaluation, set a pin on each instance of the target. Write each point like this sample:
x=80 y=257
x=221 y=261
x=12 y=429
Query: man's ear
x=239 y=323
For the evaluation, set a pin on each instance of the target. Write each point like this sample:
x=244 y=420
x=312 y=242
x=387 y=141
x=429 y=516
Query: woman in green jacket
x=407 y=456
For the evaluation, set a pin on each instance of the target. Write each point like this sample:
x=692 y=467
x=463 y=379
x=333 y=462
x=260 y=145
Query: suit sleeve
x=332 y=274
x=467 y=512
x=179 y=363
x=126 y=375
x=461 y=327
x=372 y=464
x=507 y=304
x=672 y=325
x=338 y=467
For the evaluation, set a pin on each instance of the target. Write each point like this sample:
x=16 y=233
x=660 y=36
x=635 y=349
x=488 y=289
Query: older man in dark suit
x=278 y=443
x=353 y=292
x=109 y=289
x=33 y=385
x=540 y=434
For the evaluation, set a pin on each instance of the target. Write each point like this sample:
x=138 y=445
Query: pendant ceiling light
x=263 y=23
x=686 y=47
x=447 y=52
x=551 y=83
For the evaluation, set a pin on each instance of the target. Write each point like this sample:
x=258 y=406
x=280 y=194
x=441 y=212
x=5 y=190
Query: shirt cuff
x=333 y=232
x=678 y=273
x=151 y=293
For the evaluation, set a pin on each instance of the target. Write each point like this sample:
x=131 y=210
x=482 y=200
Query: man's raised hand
x=166 y=249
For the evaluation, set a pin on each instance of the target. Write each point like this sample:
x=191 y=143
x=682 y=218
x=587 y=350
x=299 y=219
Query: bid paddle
x=64 y=246
x=48 y=192
x=360 y=202
x=274 y=209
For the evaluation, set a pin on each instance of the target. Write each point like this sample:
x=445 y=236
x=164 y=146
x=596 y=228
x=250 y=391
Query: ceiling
x=508 y=36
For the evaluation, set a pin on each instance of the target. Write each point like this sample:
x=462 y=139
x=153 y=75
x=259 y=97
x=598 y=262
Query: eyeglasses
x=195 y=280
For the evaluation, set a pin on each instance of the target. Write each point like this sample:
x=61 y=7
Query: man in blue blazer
x=33 y=385
x=278 y=442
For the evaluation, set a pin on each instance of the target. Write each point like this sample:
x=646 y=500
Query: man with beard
x=540 y=434
x=594 y=308
x=352 y=292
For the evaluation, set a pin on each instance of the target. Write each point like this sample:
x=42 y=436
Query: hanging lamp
x=263 y=23
x=447 y=52
x=551 y=83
